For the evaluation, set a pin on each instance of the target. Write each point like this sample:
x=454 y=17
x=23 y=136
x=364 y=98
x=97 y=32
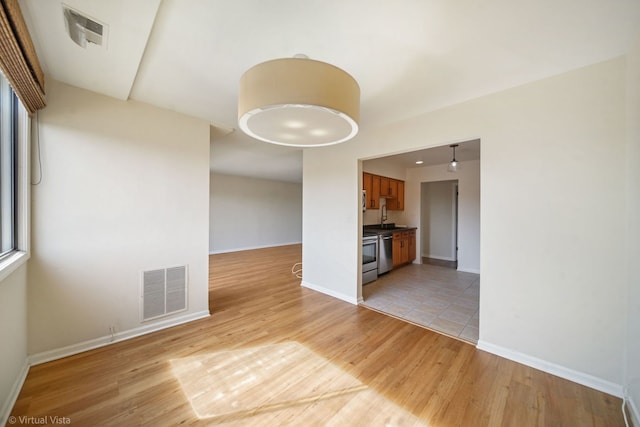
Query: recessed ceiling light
x=419 y=162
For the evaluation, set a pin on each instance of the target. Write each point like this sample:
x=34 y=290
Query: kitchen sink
x=388 y=226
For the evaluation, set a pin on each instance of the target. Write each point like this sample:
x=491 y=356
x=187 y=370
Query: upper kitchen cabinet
x=371 y=185
x=385 y=189
x=377 y=186
x=388 y=187
x=396 y=201
x=400 y=198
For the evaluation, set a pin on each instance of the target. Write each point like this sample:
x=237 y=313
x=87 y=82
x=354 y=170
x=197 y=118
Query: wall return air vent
x=164 y=292
x=84 y=30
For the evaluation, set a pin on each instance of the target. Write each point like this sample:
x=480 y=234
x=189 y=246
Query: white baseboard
x=47 y=356
x=635 y=412
x=469 y=270
x=330 y=292
x=5 y=411
x=441 y=258
x=249 y=248
x=554 y=369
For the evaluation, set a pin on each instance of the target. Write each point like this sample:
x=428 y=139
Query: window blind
x=18 y=59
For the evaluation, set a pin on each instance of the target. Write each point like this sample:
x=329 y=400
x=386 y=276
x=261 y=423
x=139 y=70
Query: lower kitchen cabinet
x=404 y=247
x=412 y=245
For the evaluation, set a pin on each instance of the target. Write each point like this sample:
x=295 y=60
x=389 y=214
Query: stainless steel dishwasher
x=385 y=253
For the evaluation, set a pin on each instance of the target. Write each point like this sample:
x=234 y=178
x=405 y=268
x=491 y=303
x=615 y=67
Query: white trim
x=47 y=356
x=11 y=262
x=5 y=411
x=24 y=181
x=469 y=270
x=442 y=258
x=635 y=413
x=23 y=188
x=224 y=251
x=330 y=292
x=554 y=369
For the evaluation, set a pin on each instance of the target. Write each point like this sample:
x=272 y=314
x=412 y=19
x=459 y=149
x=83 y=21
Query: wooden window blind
x=18 y=59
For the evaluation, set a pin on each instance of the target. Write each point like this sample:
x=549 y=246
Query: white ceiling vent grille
x=164 y=292
x=82 y=29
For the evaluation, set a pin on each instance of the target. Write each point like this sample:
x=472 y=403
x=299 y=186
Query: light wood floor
x=274 y=353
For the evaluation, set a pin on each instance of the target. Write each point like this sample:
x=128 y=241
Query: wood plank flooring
x=274 y=353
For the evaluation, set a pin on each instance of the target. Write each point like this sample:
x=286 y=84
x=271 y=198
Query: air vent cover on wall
x=164 y=292
x=83 y=29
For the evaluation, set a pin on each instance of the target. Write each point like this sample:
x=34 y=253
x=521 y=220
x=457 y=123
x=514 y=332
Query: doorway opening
x=440 y=289
x=439 y=223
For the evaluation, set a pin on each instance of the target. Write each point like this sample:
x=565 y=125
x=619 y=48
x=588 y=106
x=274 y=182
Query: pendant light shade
x=453 y=164
x=298 y=102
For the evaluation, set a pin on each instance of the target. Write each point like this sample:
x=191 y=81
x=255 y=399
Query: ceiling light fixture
x=298 y=102
x=419 y=162
x=453 y=164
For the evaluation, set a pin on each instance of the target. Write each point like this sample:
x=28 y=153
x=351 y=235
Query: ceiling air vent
x=82 y=29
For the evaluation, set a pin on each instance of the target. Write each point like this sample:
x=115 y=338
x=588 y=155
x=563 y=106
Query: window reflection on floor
x=278 y=383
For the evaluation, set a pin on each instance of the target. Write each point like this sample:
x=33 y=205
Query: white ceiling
x=409 y=56
x=465 y=151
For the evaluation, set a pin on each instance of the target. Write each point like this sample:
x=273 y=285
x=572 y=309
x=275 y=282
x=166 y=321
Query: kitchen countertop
x=386 y=228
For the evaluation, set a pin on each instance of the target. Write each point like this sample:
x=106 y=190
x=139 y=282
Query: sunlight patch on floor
x=280 y=384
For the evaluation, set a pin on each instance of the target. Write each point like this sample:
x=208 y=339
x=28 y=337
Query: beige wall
x=632 y=372
x=552 y=217
x=125 y=188
x=248 y=213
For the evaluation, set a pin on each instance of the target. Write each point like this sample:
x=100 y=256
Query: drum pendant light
x=298 y=102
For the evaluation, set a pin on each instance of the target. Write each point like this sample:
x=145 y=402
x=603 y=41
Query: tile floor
x=436 y=297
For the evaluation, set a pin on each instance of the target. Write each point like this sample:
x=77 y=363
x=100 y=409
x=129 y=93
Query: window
x=14 y=180
x=8 y=167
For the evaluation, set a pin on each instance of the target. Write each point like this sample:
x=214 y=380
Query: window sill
x=11 y=262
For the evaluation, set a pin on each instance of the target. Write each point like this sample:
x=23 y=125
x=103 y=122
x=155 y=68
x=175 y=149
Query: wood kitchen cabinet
x=377 y=186
x=404 y=247
x=371 y=185
x=400 y=199
x=395 y=202
x=412 y=245
x=385 y=189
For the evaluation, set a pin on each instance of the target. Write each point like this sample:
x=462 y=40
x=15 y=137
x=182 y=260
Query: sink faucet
x=383 y=217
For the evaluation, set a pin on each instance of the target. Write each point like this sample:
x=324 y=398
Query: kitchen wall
x=468 y=177
x=125 y=188
x=249 y=213
x=13 y=336
x=553 y=203
x=632 y=372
